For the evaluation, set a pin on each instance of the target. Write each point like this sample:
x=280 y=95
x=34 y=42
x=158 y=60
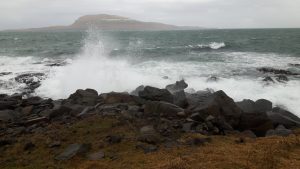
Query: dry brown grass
x=222 y=153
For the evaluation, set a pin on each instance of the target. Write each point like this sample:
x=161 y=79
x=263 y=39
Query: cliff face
x=110 y=22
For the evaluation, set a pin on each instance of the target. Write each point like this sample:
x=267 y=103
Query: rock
x=294 y=64
x=263 y=105
x=112 y=98
x=268 y=79
x=57 y=111
x=54 y=144
x=259 y=123
x=147 y=148
x=86 y=97
x=114 y=139
x=194 y=99
x=246 y=105
x=96 y=156
x=148 y=135
x=188 y=127
x=27 y=110
x=198 y=141
x=32 y=80
x=279 y=131
x=178 y=86
x=218 y=105
x=248 y=133
x=212 y=79
x=4 y=142
x=180 y=99
x=155 y=94
x=5 y=73
x=276 y=71
x=163 y=109
x=72 y=150
x=280 y=116
x=137 y=90
x=249 y=106
x=8 y=104
x=32 y=101
x=282 y=78
x=29 y=146
x=8 y=115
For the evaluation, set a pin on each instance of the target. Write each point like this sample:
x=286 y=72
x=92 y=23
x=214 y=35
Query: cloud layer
x=205 y=13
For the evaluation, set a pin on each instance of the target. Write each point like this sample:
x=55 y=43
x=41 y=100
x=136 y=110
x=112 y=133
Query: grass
x=222 y=153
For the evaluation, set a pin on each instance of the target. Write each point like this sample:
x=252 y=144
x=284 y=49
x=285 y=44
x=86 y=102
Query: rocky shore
x=148 y=118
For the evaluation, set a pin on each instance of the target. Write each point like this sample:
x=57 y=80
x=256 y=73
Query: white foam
x=216 y=45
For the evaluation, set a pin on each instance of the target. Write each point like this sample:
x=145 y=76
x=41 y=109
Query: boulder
x=149 y=135
x=282 y=78
x=248 y=133
x=263 y=105
x=86 y=97
x=280 y=116
x=178 y=86
x=276 y=71
x=114 y=139
x=218 y=105
x=279 y=131
x=147 y=148
x=247 y=105
x=268 y=79
x=8 y=115
x=180 y=99
x=96 y=156
x=155 y=94
x=72 y=150
x=162 y=109
x=137 y=90
x=113 y=97
x=257 y=122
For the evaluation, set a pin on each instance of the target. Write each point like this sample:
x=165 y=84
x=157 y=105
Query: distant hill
x=110 y=22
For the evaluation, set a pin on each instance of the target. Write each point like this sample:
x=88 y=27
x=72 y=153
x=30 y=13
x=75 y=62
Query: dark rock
x=212 y=79
x=29 y=146
x=137 y=90
x=8 y=115
x=54 y=144
x=282 y=78
x=57 y=111
x=263 y=105
x=276 y=71
x=180 y=99
x=4 y=142
x=56 y=64
x=294 y=64
x=147 y=148
x=162 y=109
x=96 y=156
x=246 y=105
x=279 y=131
x=280 y=116
x=113 y=97
x=8 y=104
x=268 y=79
x=5 y=73
x=195 y=98
x=248 y=133
x=148 y=135
x=198 y=141
x=27 y=110
x=218 y=105
x=188 y=127
x=155 y=94
x=72 y=150
x=259 y=123
x=114 y=139
x=32 y=101
x=178 y=86
x=86 y=97
x=32 y=80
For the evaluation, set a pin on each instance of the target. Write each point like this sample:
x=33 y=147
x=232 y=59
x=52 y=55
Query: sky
x=16 y=14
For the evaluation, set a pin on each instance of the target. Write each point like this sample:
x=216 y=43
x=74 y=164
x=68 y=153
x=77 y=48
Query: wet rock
x=259 y=123
x=54 y=144
x=112 y=98
x=178 y=86
x=137 y=90
x=263 y=105
x=212 y=79
x=188 y=127
x=32 y=80
x=72 y=150
x=194 y=99
x=246 y=105
x=294 y=64
x=27 y=110
x=279 y=131
x=8 y=104
x=147 y=148
x=218 y=104
x=276 y=71
x=162 y=109
x=32 y=101
x=198 y=141
x=180 y=99
x=280 y=116
x=268 y=79
x=96 y=156
x=114 y=139
x=57 y=111
x=282 y=78
x=86 y=97
x=155 y=94
x=5 y=73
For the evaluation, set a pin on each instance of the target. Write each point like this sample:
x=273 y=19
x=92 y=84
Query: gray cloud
x=206 y=13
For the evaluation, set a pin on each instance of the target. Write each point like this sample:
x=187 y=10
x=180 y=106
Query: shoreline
x=148 y=119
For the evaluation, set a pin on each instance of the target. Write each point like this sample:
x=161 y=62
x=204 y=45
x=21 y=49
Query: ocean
x=120 y=61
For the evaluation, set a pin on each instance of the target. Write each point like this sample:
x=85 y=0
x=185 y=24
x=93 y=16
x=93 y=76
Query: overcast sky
x=204 y=13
